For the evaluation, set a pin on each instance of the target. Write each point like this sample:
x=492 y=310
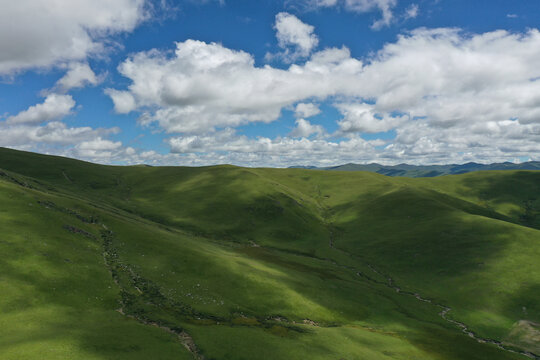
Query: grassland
x=102 y=262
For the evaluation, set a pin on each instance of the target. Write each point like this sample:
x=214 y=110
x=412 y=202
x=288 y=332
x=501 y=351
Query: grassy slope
x=189 y=233
x=58 y=300
x=455 y=251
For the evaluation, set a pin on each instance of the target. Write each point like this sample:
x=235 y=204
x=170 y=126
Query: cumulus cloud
x=35 y=33
x=123 y=101
x=295 y=37
x=361 y=117
x=99 y=144
x=416 y=144
x=305 y=110
x=238 y=146
x=54 y=107
x=39 y=128
x=204 y=86
x=305 y=129
x=451 y=77
x=448 y=95
x=97 y=148
x=78 y=75
x=57 y=138
x=52 y=133
x=227 y=147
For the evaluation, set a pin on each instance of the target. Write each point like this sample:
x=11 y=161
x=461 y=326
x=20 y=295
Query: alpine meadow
x=269 y=180
x=224 y=262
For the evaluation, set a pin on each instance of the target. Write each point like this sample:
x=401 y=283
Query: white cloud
x=412 y=11
x=78 y=75
x=385 y=6
x=99 y=144
x=322 y=3
x=39 y=128
x=305 y=129
x=97 y=148
x=451 y=78
x=465 y=96
x=123 y=101
x=305 y=110
x=204 y=86
x=53 y=108
x=295 y=37
x=36 y=33
x=286 y=148
x=361 y=117
x=226 y=147
x=361 y=6
x=57 y=138
x=52 y=133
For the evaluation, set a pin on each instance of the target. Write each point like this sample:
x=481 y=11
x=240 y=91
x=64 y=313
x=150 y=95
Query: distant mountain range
x=428 y=170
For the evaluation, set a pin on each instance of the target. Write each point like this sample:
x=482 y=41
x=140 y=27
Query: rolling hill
x=223 y=262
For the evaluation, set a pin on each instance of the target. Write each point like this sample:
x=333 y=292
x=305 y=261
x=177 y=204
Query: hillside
x=223 y=262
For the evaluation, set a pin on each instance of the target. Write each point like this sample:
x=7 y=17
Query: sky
x=271 y=82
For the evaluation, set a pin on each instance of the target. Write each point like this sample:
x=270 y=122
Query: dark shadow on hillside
x=424 y=238
x=422 y=231
x=234 y=205
x=520 y=188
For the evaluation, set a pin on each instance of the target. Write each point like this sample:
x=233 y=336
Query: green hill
x=107 y=262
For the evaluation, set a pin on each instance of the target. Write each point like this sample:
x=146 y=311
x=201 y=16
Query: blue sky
x=272 y=83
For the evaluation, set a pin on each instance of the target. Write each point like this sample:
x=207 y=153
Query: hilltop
x=224 y=262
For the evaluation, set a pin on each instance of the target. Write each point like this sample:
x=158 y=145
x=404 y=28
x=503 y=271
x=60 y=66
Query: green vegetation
x=103 y=262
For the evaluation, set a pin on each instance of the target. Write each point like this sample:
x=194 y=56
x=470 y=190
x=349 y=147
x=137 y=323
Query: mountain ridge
x=407 y=170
